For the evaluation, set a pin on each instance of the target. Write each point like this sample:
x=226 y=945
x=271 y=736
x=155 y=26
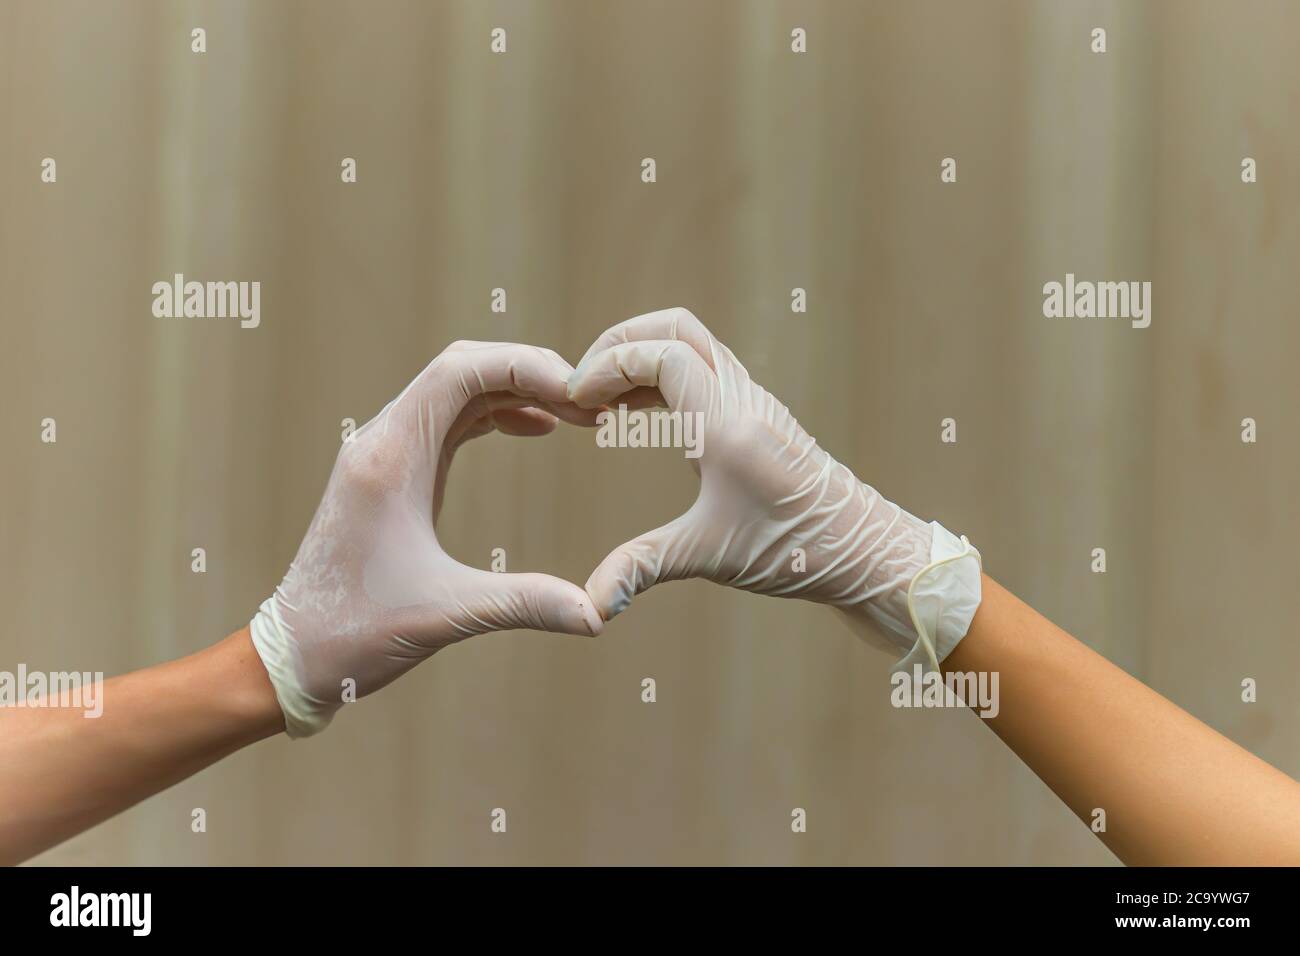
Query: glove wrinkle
x=767 y=489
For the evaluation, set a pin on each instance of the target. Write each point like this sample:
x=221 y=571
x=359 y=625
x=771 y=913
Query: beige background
x=775 y=171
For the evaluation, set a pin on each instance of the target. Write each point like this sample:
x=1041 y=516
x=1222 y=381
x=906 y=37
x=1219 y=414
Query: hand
x=371 y=592
x=775 y=514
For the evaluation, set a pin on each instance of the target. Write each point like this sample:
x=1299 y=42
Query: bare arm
x=62 y=772
x=1175 y=791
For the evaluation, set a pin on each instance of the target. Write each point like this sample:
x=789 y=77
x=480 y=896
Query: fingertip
x=579 y=385
x=577 y=397
x=595 y=623
x=610 y=599
x=588 y=389
x=619 y=604
x=573 y=386
x=574 y=612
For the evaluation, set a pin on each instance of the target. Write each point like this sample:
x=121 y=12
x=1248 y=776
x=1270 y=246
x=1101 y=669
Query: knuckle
x=685 y=317
x=448 y=363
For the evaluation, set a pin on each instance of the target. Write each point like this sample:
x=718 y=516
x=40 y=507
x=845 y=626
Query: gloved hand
x=371 y=592
x=768 y=494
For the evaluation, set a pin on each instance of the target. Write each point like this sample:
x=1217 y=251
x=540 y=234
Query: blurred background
x=775 y=170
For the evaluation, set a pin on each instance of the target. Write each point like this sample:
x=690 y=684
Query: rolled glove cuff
x=942 y=599
x=303 y=716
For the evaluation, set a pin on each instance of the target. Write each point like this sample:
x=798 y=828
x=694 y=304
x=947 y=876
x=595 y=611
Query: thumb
x=638 y=565
x=537 y=602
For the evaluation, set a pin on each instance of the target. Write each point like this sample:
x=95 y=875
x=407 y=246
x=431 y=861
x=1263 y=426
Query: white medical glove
x=371 y=592
x=768 y=494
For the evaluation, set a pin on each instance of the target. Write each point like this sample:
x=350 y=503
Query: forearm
x=62 y=772
x=1174 y=791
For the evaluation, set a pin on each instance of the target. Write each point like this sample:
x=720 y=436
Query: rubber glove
x=371 y=592
x=775 y=513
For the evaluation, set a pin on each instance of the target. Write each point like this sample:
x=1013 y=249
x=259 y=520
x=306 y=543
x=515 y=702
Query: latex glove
x=371 y=592
x=766 y=490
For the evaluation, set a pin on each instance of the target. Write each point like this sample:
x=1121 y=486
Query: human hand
x=371 y=592
x=776 y=514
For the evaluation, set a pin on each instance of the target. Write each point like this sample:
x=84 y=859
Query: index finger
x=677 y=324
x=468 y=371
x=673 y=367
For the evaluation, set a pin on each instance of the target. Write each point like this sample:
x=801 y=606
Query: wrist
x=923 y=590
x=302 y=714
x=241 y=689
x=942 y=599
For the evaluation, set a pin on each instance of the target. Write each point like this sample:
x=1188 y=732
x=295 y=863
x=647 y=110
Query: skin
x=1175 y=792
x=62 y=773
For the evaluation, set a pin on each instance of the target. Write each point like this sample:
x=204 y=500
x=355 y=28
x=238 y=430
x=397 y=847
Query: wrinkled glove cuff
x=303 y=716
x=942 y=599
